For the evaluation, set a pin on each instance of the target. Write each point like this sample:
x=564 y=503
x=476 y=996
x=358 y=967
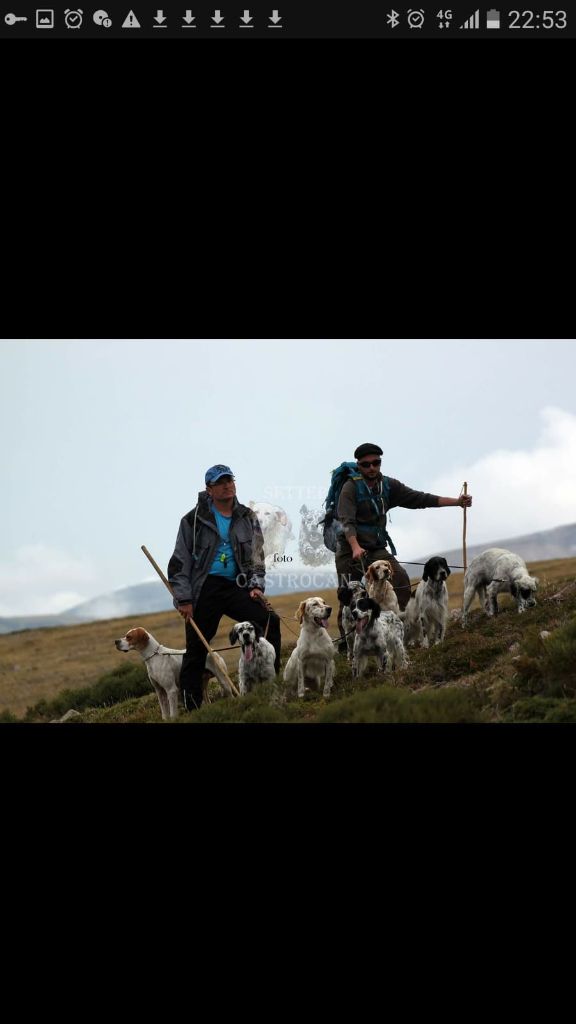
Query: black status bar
x=294 y=19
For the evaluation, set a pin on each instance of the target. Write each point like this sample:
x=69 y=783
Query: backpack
x=332 y=526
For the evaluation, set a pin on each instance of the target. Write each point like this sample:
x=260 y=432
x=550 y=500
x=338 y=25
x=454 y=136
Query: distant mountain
x=559 y=542
x=145 y=598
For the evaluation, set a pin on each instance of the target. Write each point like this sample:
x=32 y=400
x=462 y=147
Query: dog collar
x=152 y=655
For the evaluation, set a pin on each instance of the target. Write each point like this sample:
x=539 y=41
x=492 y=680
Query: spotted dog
x=378 y=634
x=426 y=614
x=497 y=571
x=345 y=596
x=311 y=545
x=312 y=660
x=257 y=658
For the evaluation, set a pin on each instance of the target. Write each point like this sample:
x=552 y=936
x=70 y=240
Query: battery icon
x=493 y=19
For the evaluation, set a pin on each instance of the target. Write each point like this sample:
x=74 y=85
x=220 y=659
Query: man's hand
x=185 y=611
x=257 y=593
x=357 y=551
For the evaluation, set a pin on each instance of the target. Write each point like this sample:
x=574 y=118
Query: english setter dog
x=276 y=529
x=496 y=571
x=378 y=633
x=163 y=665
x=312 y=660
x=379 y=585
x=345 y=596
x=311 y=545
x=426 y=614
x=257 y=659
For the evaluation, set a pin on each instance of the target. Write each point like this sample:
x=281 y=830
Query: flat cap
x=367 y=449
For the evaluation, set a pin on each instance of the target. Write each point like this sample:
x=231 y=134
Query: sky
x=104 y=444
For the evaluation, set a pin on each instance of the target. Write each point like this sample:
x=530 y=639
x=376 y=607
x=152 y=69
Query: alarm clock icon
x=72 y=19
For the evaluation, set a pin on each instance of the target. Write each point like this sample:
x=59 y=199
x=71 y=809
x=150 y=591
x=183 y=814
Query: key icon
x=10 y=19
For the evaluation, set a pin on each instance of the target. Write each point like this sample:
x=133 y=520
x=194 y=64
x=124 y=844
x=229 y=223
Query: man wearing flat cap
x=362 y=512
x=218 y=569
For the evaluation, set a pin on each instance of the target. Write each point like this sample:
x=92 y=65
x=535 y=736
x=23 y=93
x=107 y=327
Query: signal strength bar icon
x=473 y=21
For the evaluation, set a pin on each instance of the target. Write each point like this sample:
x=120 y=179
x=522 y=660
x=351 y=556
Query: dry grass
x=36 y=664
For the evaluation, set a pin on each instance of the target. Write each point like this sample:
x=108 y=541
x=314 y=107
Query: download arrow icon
x=275 y=17
x=217 y=17
x=189 y=17
x=246 y=17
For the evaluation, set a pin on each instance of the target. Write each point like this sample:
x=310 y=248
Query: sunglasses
x=366 y=465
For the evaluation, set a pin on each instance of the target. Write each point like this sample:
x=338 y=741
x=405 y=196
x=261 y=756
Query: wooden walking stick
x=464 y=491
x=214 y=654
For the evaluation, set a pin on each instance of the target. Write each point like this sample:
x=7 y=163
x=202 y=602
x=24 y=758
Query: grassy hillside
x=497 y=670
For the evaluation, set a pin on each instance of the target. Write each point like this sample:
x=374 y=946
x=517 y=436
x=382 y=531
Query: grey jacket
x=191 y=562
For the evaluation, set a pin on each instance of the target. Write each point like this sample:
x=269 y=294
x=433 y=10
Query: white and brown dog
x=257 y=659
x=497 y=571
x=312 y=660
x=378 y=578
x=276 y=529
x=426 y=614
x=163 y=665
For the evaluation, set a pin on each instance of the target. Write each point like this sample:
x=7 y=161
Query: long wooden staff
x=464 y=491
x=191 y=621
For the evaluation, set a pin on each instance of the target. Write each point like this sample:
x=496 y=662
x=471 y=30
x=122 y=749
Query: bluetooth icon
x=393 y=18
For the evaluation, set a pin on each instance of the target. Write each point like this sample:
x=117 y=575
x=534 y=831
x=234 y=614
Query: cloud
x=515 y=492
x=42 y=580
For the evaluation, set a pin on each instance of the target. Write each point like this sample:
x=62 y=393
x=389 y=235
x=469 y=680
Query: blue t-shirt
x=224 y=563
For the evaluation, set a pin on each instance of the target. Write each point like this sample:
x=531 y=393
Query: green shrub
x=387 y=704
x=129 y=680
x=543 y=709
x=550 y=667
x=7 y=716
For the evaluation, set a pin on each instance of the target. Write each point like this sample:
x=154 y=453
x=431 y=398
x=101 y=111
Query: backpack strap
x=360 y=483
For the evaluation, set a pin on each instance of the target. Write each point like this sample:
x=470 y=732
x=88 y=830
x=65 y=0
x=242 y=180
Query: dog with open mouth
x=312 y=660
x=379 y=634
x=256 y=663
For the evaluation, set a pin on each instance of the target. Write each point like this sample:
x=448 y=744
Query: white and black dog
x=311 y=545
x=345 y=596
x=496 y=571
x=257 y=659
x=379 y=634
x=426 y=614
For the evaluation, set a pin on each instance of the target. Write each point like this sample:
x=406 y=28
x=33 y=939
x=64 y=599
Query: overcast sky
x=105 y=444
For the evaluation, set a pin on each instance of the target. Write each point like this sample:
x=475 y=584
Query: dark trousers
x=220 y=596
x=349 y=569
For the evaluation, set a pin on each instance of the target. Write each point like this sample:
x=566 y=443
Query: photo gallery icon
x=44 y=19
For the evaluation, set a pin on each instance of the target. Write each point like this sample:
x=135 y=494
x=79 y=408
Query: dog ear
x=426 y=573
x=299 y=614
x=514 y=590
x=233 y=635
x=447 y=567
x=391 y=571
x=369 y=574
x=344 y=595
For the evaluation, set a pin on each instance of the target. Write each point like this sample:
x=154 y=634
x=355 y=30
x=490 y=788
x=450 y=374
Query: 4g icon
x=445 y=17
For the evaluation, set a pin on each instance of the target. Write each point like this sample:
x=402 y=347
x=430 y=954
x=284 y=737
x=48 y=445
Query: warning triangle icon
x=131 y=21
